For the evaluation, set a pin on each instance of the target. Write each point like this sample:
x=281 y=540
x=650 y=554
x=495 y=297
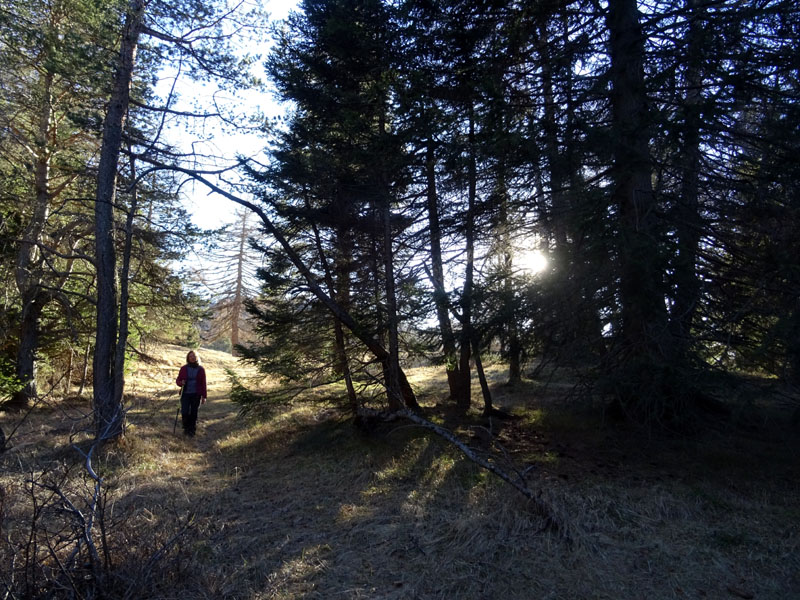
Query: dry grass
x=301 y=506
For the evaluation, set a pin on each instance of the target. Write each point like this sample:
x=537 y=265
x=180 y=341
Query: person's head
x=192 y=358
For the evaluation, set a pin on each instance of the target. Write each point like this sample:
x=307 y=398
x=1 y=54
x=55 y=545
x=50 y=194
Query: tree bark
x=108 y=412
x=339 y=290
x=392 y=369
x=26 y=353
x=236 y=307
x=85 y=370
x=485 y=391
x=122 y=337
x=513 y=345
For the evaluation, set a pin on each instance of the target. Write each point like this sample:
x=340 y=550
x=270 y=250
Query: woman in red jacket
x=192 y=379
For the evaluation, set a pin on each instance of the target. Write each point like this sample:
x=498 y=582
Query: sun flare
x=532 y=261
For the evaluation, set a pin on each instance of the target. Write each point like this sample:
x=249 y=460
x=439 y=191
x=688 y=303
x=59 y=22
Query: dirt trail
x=218 y=418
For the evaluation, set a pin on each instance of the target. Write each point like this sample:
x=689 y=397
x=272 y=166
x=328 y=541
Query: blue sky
x=211 y=211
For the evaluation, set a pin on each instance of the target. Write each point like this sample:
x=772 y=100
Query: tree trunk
x=236 y=307
x=647 y=388
x=122 y=337
x=339 y=289
x=464 y=400
x=455 y=381
x=575 y=314
x=488 y=408
x=68 y=375
x=687 y=213
x=514 y=347
x=28 y=273
x=556 y=162
x=108 y=412
x=85 y=370
x=26 y=353
x=393 y=360
x=641 y=284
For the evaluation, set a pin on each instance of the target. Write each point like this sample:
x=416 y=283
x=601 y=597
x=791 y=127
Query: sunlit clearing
x=532 y=261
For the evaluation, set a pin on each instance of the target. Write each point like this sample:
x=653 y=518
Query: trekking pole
x=180 y=395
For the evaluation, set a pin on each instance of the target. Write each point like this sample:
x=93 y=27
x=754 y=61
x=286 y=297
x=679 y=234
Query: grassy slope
x=302 y=506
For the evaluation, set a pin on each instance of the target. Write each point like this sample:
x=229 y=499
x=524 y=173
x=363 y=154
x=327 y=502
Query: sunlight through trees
x=646 y=148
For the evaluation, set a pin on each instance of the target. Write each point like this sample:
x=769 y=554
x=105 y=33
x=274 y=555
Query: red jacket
x=201 y=379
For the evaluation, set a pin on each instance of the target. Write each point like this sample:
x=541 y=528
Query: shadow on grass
x=303 y=505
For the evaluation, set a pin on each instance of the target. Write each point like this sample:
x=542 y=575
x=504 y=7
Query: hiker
x=192 y=379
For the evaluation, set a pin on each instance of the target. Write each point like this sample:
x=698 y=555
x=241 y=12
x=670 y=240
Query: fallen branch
x=542 y=507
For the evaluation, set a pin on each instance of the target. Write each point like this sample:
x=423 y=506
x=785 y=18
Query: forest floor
x=300 y=504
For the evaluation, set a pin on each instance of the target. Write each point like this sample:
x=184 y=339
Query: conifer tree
x=53 y=75
x=339 y=170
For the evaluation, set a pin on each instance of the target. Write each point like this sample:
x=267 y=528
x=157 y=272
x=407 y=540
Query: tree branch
x=543 y=508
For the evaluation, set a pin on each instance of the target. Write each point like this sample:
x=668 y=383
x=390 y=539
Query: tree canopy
x=645 y=149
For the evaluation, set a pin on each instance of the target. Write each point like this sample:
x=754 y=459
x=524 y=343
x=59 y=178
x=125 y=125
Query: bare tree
x=228 y=272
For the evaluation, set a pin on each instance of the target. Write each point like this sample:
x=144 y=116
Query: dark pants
x=189 y=405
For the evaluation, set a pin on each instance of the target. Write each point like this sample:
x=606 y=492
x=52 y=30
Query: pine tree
x=54 y=64
x=339 y=171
